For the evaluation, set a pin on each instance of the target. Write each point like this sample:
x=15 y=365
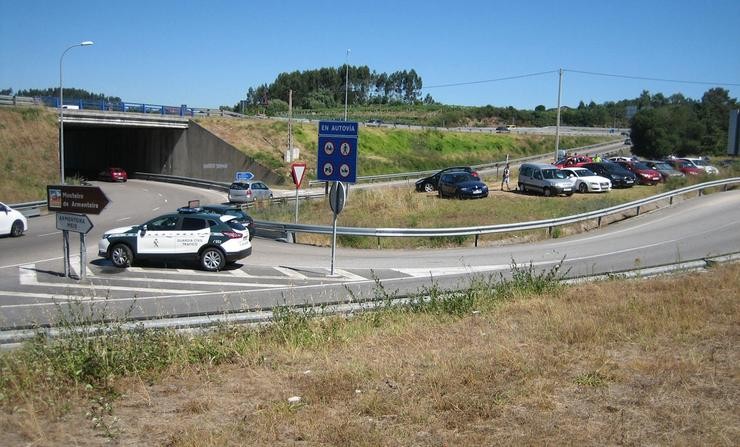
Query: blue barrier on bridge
x=81 y=104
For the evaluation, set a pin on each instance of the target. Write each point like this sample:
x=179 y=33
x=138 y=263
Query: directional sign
x=75 y=199
x=78 y=223
x=296 y=171
x=337 y=151
x=243 y=176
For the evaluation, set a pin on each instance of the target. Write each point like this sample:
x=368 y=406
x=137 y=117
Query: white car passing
x=584 y=180
x=12 y=222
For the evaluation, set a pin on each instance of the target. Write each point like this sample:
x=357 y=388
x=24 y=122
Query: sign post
x=337 y=163
x=337 y=199
x=297 y=171
x=73 y=204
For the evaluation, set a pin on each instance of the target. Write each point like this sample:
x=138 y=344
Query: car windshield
x=640 y=165
x=584 y=173
x=463 y=177
x=700 y=162
x=663 y=166
x=552 y=174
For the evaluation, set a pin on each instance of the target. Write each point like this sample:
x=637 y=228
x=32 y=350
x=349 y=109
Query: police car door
x=194 y=233
x=159 y=235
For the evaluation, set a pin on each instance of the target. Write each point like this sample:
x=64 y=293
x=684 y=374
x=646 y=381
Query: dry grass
x=619 y=362
x=28 y=153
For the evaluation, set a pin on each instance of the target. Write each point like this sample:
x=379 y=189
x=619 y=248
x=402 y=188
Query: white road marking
x=290 y=273
x=28 y=277
x=123 y=218
x=155 y=209
x=349 y=275
x=49 y=234
x=239 y=273
x=446 y=271
x=47 y=296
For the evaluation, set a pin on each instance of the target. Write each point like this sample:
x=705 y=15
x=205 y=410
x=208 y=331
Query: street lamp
x=346 y=83
x=86 y=43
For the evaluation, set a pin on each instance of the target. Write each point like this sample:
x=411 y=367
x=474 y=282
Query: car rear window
x=239 y=186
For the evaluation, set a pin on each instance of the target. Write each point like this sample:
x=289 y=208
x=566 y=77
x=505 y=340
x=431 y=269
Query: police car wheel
x=121 y=256
x=212 y=259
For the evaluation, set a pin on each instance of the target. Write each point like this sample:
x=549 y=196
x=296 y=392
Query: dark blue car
x=462 y=185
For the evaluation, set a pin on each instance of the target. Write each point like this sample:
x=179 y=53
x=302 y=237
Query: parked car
x=248 y=191
x=684 y=166
x=429 y=184
x=545 y=179
x=665 y=169
x=622 y=158
x=374 y=123
x=239 y=214
x=12 y=222
x=181 y=236
x=585 y=180
x=462 y=185
x=619 y=176
x=502 y=129
x=112 y=174
x=701 y=164
x=576 y=160
x=645 y=175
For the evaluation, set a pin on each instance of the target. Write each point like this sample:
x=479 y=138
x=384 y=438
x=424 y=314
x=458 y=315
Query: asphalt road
x=33 y=291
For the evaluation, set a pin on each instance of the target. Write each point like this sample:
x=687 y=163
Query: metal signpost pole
x=333 y=243
x=65 y=244
x=83 y=257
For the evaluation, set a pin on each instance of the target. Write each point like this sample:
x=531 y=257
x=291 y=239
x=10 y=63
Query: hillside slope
x=383 y=150
x=29 y=157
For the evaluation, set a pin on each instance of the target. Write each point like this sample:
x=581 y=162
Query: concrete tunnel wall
x=193 y=152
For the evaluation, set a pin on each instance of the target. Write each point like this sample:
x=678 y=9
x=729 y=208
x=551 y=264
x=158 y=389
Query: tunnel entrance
x=89 y=149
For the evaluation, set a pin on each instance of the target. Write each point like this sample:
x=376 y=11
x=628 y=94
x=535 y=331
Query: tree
x=670 y=130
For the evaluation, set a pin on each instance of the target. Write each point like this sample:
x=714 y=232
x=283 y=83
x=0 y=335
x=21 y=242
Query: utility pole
x=346 y=83
x=557 y=123
x=290 y=125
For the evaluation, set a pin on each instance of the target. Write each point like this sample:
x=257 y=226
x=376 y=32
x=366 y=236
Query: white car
x=208 y=238
x=702 y=164
x=585 y=180
x=12 y=222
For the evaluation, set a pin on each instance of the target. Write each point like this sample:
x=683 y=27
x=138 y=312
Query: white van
x=545 y=179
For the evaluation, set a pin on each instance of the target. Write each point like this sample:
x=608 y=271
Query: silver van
x=545 y=179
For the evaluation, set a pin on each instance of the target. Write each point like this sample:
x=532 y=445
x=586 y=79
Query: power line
x=508 y=78
x=591 y=73
x=643 y=78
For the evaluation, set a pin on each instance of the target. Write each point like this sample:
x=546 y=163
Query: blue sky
x=208 y=53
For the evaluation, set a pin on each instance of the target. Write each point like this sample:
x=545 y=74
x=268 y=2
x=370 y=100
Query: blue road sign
x=243 y=176
x=337 y=157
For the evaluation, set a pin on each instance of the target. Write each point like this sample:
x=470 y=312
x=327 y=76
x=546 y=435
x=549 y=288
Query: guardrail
x=288 y=229
x=479 y=167
x=107 y=106
x=30 y=209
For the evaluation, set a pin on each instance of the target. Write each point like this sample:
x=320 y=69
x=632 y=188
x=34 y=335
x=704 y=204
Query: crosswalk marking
x=349 y=275
x=290 y=273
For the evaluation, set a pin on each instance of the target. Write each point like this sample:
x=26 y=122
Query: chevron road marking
x=28 y=277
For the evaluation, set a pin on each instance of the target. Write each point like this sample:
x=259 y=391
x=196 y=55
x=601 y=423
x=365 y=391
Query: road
x=32 y=288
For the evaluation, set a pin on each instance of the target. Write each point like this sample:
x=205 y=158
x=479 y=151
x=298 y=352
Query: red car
x=684 y=166
x=572 y=162
x=113 y=175
x=645 y=175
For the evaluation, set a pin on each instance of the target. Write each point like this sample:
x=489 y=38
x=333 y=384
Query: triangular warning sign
x=296 y=171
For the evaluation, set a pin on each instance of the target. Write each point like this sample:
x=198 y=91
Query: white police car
x=210 y=239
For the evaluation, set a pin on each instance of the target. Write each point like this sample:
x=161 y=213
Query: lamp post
x=86 y=43
x=346 y=83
